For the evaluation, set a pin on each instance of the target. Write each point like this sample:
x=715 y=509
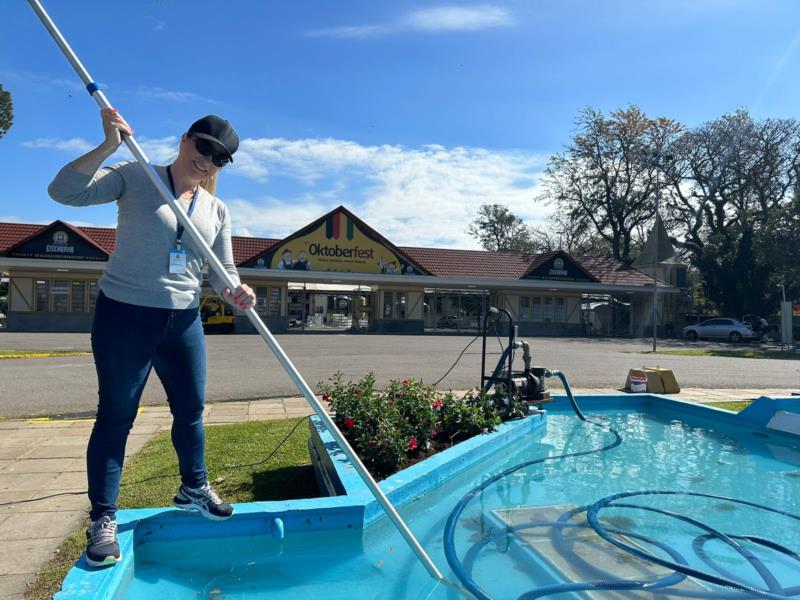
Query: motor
x=528 y=386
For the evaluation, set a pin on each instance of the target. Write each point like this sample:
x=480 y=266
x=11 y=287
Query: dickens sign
x=58 y=243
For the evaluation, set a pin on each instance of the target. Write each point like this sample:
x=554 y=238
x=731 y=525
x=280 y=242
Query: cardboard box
x=659 y=381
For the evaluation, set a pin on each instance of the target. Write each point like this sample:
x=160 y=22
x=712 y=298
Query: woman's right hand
x=113 y=128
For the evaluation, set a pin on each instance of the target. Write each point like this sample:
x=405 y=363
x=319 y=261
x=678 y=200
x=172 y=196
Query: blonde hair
x=210 y=184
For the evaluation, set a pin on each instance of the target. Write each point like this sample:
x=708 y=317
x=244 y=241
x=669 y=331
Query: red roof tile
x=444 y=262
x=483 y=264
x=13 y=233
x=245 y=248
x=441 y=262
x=105 y=237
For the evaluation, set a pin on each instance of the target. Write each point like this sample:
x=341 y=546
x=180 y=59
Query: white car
x=721 y=328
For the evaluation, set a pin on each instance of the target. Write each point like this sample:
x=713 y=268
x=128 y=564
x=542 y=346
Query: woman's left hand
x=243 y=297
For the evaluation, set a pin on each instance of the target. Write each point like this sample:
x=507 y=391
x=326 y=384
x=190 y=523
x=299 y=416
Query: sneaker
x=102 y=548
x=205 y=500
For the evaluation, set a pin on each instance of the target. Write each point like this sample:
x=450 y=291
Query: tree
x=498 y=229
x=607 y=177
x=731 y=179
x=782 y=250
x=6 y=111
x=573 y=236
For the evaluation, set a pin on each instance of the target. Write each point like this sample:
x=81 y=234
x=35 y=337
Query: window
x=78 y=304
x=388 y=302
x=268 y=301
x=274 y=303
x=525 y=308
x=64 y=296
x=561 y=310
x=400 y=305
x=42 y=295
x=59 y=293
x=394 y=305
x=94 y=290
x=536 y=312
x=548 y=309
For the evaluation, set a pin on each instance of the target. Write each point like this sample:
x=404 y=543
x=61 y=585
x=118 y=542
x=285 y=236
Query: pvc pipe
x=265 y=333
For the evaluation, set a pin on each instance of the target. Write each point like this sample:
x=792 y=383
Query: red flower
x=438 y=404
x=371 y=442
x=349 y=423
x=412 y=443
x=357 y=392
x=405 y=382
x=326 y=397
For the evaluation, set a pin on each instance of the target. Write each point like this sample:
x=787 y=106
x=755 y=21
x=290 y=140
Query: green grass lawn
x=731 y=406
x=754 y=353
x=38 y=354
x=235 y=455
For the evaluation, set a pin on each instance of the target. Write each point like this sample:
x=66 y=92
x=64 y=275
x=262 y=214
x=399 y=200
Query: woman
x=146 y=314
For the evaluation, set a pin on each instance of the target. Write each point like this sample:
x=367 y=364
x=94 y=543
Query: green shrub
x=406 y=420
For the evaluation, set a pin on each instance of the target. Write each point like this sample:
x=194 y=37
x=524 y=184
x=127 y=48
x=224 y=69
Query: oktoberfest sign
x=337 y=242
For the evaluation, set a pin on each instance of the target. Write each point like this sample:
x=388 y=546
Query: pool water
x=493 y=537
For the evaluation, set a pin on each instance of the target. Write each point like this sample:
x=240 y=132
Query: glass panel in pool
x=720 y=503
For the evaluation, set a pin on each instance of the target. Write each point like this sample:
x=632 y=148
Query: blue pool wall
x=352 y=506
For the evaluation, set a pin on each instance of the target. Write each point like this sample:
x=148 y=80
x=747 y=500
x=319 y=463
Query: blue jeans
x=127 y=340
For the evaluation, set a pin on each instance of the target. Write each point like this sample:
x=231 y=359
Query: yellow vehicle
x=216 y=315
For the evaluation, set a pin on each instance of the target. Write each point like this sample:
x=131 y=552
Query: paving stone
x=145 y=429
x=77 y=464
x=38 y=465
x=13 y=587
x=222 y=419
x=67 y=440
x=20 y=557
x=13 y=442
x=49 y=424
x=51 y=501
x=74 y=480
x=10 y=482
x=13 y=452
x=31 y=434
x=41 y=523
x=64 y=451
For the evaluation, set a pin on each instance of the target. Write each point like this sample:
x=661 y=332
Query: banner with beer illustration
x=337 y=242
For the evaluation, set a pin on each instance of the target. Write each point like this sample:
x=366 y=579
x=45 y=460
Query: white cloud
x=160 y=94
x=73 y=145
x=428 y=20
x=159 y=151
x=352 y=31
x=458 y=18
x=426 y=196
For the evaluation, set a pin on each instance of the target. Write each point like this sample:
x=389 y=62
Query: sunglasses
x=206 y=148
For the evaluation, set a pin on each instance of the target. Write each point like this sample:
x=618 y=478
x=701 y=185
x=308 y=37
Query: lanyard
x=191 y=206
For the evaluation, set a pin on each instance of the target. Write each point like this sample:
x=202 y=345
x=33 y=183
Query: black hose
x=736 y=589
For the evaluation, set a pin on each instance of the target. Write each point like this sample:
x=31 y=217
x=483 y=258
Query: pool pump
x=528 y=385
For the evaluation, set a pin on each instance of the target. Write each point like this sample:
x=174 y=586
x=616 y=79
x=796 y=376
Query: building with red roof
x=338 y=272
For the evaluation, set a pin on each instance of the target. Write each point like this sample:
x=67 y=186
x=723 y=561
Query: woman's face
x=195 y=163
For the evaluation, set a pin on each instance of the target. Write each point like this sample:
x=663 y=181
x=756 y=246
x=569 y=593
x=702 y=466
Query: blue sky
x=411 y=114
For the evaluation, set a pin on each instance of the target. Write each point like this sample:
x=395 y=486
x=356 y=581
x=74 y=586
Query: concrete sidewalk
x=41 y=458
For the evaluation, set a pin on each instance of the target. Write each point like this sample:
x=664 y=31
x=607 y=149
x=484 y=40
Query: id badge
x=177 y=261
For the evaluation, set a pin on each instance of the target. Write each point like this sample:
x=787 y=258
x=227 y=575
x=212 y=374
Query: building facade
x=337 y=273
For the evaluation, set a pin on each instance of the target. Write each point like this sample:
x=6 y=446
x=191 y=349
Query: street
x=241 y=367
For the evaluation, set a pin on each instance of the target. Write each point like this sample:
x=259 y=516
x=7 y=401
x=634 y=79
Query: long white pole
x=265 y=333
x=655 y=264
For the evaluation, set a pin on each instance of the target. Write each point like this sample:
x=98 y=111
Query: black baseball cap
x=218 y=130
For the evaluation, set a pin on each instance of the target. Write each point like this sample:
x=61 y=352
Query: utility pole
x=656 y=160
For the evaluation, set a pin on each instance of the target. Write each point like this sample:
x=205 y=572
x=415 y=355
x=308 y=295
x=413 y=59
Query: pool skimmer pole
x=262 y=329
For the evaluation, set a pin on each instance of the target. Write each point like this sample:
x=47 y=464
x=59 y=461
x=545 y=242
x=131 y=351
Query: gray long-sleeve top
x=138 y=270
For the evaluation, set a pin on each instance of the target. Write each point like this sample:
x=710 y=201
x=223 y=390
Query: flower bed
x=406 y=422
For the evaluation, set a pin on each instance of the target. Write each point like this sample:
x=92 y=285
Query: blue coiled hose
x=606 y=581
